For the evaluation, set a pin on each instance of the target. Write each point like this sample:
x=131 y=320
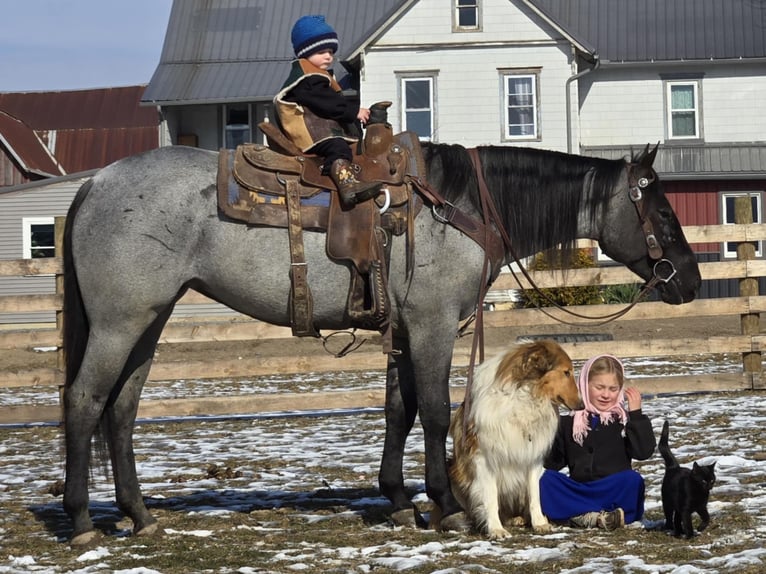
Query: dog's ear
x=537 y=360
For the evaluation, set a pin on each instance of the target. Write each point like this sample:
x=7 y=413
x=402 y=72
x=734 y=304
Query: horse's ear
x=648 y=155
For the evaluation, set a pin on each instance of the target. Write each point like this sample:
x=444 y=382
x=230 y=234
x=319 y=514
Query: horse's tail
x=667 y=456
x=76 y=326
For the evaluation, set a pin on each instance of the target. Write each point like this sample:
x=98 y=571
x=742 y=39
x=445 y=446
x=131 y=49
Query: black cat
x=684 y=491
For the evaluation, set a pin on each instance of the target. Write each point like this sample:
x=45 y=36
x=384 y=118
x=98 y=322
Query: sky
x=51 y=45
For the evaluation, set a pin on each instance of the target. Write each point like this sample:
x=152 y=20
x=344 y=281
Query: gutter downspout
x=567 y=85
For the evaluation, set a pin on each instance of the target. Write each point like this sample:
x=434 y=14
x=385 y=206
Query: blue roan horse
x=147 y=228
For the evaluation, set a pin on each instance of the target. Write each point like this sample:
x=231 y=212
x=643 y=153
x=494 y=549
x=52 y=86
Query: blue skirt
x=561 y=497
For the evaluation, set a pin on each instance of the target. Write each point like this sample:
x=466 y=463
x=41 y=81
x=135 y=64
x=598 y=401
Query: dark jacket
x=311 y=107
x=605 y=450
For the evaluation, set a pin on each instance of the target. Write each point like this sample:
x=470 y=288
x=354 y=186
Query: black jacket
x=605 y=450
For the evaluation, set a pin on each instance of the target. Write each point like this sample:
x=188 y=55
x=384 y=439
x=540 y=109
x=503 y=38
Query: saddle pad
x=261 y=208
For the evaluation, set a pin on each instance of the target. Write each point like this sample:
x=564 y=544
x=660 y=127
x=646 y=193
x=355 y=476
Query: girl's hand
x=634 y=398
x=363 y=115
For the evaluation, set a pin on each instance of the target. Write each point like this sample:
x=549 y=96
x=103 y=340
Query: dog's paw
x=516 y=522
x=543 y=528
x=498 y=534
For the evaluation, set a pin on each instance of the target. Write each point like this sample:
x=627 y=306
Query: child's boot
x=350 y=189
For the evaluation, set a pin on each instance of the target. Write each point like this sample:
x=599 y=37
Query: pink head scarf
x=581 y=425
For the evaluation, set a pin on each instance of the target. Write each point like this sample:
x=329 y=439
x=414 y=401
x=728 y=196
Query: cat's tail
x=667 y=456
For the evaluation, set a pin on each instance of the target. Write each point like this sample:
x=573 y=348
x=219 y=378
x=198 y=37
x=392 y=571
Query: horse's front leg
x=432 y=359
x=401 y=409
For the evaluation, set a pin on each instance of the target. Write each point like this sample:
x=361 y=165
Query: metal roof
x=235 y=50
x=74 y=109
x=664 y=30
x=85 y=129
x=701 y=161
x=27 y=150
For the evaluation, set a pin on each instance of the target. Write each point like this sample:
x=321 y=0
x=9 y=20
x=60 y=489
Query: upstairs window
x=683 y=110
x=520 y=109
x=417 y=94
x=466 y=15
x=727 y=215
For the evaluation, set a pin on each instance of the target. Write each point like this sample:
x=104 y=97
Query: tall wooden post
x=58 y=243
x=748 y=287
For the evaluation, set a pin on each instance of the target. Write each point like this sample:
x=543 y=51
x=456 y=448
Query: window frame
x=430 y=77
x=729 y=248
x=505 y=75
x=697 y=109
x=456 y=10
x=231 y=127
x=27 y=224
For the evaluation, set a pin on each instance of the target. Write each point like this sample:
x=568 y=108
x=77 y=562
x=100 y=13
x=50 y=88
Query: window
x=264 y=113
x=37 y=237
x=417 y=95
x=236 y=125
x=683 y=110
x=466 y=15
x=520 y=106
x=727 y=215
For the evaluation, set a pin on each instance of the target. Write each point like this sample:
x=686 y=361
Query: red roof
x=25 y=148
x=87 y=129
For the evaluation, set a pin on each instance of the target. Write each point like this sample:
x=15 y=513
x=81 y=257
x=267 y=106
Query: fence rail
x=748 y=344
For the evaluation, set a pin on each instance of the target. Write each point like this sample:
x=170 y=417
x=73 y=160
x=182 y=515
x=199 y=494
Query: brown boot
x=350 y=189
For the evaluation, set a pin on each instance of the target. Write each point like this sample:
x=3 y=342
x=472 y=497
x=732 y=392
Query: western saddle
x=279 y=186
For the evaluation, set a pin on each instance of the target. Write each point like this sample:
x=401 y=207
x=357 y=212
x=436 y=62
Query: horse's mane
x=538 y=193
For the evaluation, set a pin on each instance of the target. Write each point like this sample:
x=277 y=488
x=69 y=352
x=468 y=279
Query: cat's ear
x=713 y=465
x=695 y=466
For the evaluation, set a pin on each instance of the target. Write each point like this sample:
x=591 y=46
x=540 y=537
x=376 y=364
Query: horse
x=147 y=228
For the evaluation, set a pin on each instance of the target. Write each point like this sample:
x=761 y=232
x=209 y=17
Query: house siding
x=468 y=90
x=621 y=107
x=44 y=201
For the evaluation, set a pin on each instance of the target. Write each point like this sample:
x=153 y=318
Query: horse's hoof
x=85 y=539
x=457 y=522
x=149 y=530
x=405 y=517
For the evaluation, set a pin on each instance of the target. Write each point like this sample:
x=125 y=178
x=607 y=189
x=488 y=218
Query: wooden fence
x=748 y=306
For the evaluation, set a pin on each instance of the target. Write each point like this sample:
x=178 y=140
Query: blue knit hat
x=311 y=34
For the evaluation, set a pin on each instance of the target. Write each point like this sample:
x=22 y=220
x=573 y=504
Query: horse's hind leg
x=119 y=420
x=401 y=409
x=84 y=403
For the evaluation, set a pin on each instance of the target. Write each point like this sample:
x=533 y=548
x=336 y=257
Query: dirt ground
x=695 y=327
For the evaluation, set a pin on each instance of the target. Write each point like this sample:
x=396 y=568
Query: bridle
x=663 y=269
x=636 y=187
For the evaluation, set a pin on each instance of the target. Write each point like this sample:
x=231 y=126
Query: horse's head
x=641 y=231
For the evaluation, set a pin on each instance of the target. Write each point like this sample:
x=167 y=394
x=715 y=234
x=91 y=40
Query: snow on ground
x=704 y=427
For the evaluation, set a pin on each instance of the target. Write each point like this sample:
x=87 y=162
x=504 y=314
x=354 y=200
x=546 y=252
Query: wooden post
x=748 y=287
x=58 y=243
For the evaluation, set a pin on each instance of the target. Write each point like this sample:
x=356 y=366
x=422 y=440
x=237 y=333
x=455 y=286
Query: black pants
x=331 y=150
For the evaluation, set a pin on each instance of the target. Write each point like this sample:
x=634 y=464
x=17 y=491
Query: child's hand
x=634 y=398
x=363 y=115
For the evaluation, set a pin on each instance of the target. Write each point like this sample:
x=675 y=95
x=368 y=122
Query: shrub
x=625 y=293
x=551 y=260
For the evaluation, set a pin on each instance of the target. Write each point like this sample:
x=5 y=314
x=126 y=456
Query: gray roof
x=663 y=30
x=239 y=50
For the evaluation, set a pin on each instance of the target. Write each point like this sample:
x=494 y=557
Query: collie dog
x=509 y=429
